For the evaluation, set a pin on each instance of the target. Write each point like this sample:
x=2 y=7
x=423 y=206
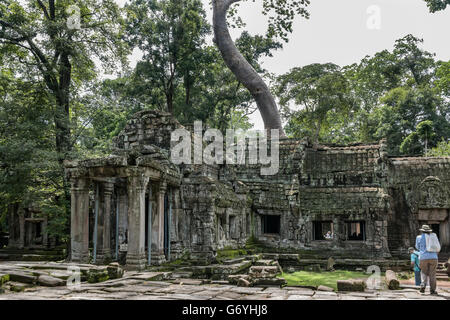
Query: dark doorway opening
x=435 y=228
x=356 y=230
x=270 y=224
x=323 y=230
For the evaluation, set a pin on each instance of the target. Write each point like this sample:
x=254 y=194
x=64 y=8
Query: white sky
x=337 y=32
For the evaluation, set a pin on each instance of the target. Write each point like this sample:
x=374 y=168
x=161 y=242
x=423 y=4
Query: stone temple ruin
x=137 y=202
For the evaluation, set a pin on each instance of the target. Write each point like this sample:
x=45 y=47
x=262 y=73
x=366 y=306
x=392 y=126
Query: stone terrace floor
x=133 y=286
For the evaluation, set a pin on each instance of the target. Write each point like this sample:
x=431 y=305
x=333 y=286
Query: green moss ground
x=326 y=278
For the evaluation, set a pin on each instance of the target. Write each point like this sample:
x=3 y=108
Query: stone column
x=12 y=243
x=136 y=258
x=45 y=232
x=158 y=256
x=123 y=217
x=104 y=220
x=79 y=232
x=21 y=228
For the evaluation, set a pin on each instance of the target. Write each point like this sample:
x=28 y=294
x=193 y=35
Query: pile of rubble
x=263 y=273
x=19 y=276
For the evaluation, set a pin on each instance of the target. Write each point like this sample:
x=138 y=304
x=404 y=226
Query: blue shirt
x=415 y=259
x=421 y=245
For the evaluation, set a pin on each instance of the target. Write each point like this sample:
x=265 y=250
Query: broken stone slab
x=228 y=269
x=150 y=276
x=49 y=281
x=263 y=271
x=351 y=285
x=325 y=288
x=243 y=283
x=265 y=282
x=194 y=282
x=47 y=267
x=185 y=274
x=265 y=262
x=234 y=278
x=299 y=297
x=20 y=276
x=234 y=261
x=220 y=282
x=18 y=286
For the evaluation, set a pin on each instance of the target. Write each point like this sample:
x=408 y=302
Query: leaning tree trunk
x=243 y=71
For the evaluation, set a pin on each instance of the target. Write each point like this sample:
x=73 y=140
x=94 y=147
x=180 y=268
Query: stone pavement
x=135 y=286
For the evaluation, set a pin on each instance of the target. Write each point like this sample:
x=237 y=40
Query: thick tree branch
x=44 y=9
x=242 y=69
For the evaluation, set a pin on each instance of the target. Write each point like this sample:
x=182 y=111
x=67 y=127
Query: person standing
x=415 y=265
x=428 y=257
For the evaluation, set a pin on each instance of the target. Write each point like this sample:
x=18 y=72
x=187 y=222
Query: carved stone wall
x=222 y=206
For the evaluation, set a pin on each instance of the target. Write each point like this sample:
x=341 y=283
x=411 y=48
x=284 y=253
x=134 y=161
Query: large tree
x=170 y=33
x=180 y=73
x=52 y=45
x=321 y=92
x=281 y=15
x=60 y=39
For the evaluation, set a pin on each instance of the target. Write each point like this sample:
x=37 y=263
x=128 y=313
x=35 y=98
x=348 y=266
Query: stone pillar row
x=80 y=221
x=137 y=186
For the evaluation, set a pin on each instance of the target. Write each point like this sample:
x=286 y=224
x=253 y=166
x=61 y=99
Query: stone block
x=243 y=283
x=48 y=281
x=264 y=282
x=114 y=271
x=263 y=271
x=20 y=276
x=351 y=285
x=325 y=288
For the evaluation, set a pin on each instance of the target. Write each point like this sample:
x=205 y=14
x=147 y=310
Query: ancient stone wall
x=420 y=193
x=372 y=204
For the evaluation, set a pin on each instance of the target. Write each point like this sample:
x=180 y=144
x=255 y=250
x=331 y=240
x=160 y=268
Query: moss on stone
x=228 y=253
x=3 y=279
x=95 y=276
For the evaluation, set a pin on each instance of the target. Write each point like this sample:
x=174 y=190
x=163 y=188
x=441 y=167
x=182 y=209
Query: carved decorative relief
x=431 y=193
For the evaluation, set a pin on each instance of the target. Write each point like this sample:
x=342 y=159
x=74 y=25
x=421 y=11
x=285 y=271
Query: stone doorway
x=436 y=227
x=438 y=220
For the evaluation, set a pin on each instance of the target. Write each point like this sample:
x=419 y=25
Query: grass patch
x=325 y=278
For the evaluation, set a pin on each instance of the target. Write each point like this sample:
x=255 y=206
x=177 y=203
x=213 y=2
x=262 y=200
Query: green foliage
x=385 y=96
x=437 y=5
x=281 y=15
x=322 y=93
x=46 y=64
x=441 y=150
